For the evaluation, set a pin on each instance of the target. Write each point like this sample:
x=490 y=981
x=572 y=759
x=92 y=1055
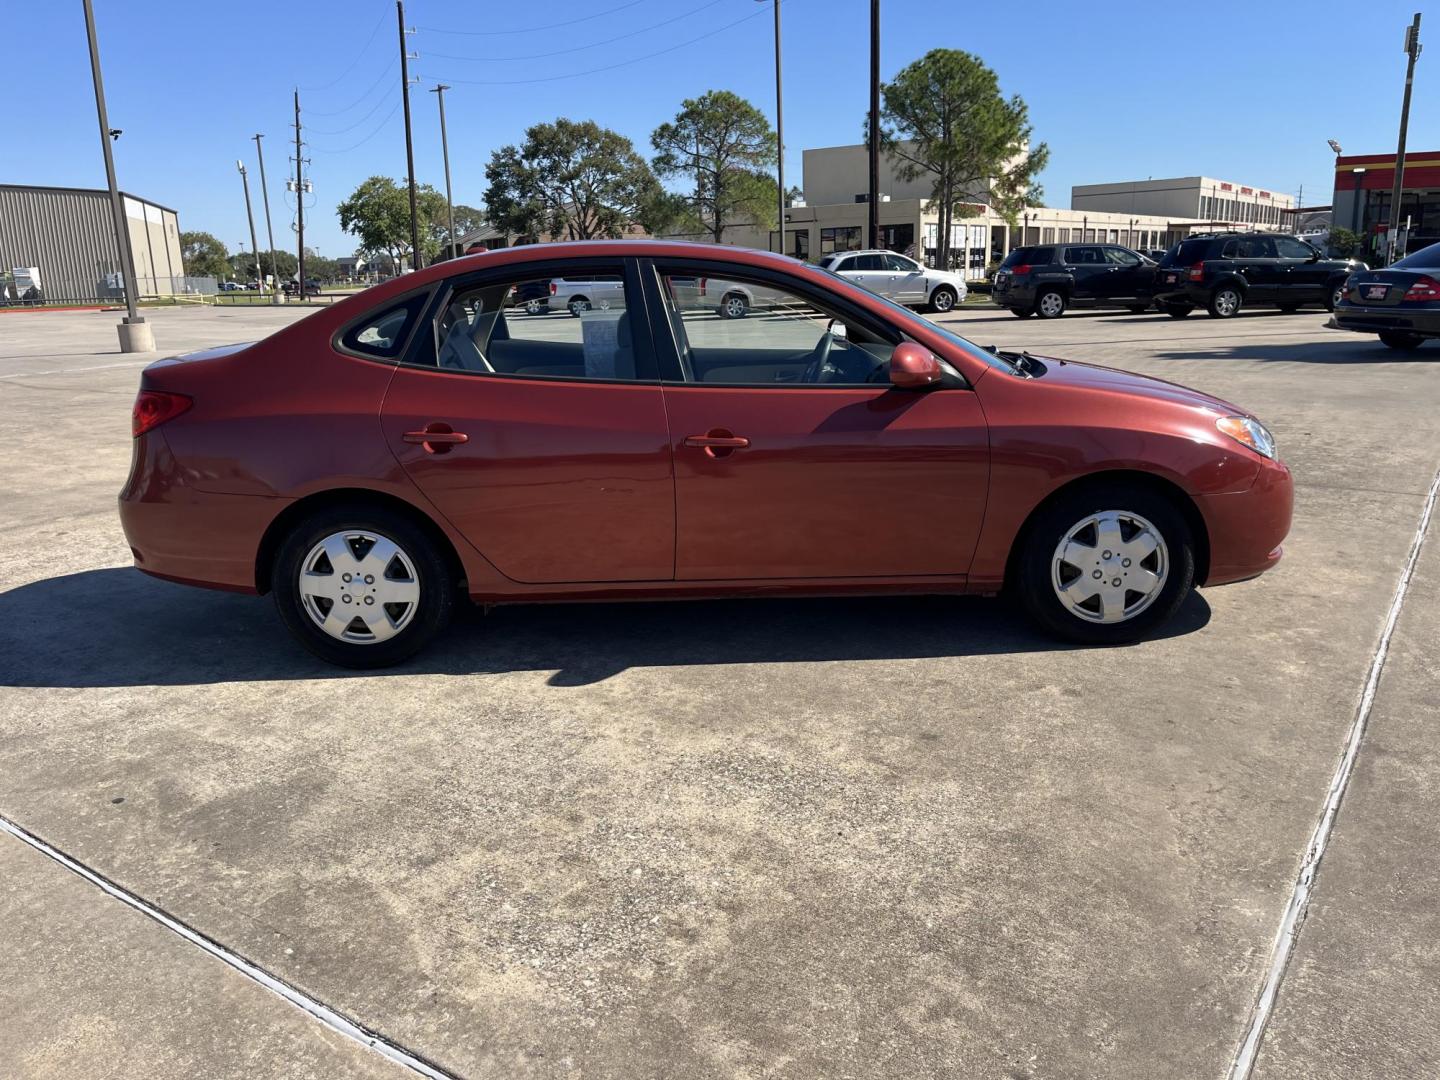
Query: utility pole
x=269 y=231
x=439 y=91
x=135 y=332
x=250 y=217
x=299 y=207
x=874 y=123
x=409 y=141
x=1412 y=50
x=779 y=138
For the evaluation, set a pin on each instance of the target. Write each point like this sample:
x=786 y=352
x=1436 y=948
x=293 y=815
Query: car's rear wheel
x=1050 y=304
x=1176 y=311
x=534 y=307
x=578 y=305
x=1397 y=339
x=362 y=587
x=943 y=299
x=1225 y=302
x=734 y=306
x=1106 y=564
x=1022 y=312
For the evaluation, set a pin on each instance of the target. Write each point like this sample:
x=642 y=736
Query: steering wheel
x=819 y=368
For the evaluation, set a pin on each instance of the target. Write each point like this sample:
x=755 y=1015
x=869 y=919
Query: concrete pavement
x=787 y=839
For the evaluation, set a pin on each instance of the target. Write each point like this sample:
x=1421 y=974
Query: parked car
x=852 y=445
x=1224 y=272
x=585 y=292
x=252 y=286
x=1400 y=303
x=533 y=296
x=312 y=287
x=728 y=299
x=229 y=286
x=1048 y=279
x=898 y=277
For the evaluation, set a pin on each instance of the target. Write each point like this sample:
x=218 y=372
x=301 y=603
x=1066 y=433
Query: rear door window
x=1083 y=256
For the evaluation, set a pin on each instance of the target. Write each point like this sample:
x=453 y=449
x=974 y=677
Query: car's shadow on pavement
x=1352 y=349
x=116 y=627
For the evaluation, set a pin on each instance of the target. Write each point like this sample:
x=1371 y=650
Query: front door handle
x=717 y=442
x=437 y=438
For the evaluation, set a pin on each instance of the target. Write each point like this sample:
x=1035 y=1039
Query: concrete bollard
x=136 y=336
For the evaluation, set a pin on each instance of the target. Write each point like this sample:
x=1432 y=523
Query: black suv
x=1223 y=272
x=1046 y=279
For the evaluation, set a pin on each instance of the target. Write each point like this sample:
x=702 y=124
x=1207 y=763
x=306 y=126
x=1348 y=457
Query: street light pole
x=439 y=91
x=250 y=217
x=1412 y=50
x=135 y=333
x=874 y=219
x=779 y=140
x=269 y=232
x=409 y=141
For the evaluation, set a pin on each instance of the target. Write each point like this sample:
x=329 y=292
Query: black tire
x=1022 y=312
x=1332 y=296
x=1225 y=302
x=1056 y=306
x=1176 y=311
x=943 y=299
x=734 y=306
x=1398 y=339
x=433 y=575
x=1033 y=567
x=577 y=304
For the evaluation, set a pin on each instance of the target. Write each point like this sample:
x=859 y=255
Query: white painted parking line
x=76 y=370
x=1300 y=894
x=335 y=1021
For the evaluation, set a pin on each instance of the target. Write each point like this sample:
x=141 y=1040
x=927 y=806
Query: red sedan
x=430 y=439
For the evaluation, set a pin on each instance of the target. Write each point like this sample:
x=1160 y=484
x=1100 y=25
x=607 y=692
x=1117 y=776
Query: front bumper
x=1246 y=528
x=1373 y=320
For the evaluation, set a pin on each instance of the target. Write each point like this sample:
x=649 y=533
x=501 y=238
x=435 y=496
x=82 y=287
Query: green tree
x=319 y=268
x=1344 y=242
x=943 y=117
x=377 y=213
x=203 y=255
x=725 y=146
x=568 y=179
x=285 y=265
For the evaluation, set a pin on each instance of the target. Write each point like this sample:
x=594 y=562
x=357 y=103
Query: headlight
x=1250 y=432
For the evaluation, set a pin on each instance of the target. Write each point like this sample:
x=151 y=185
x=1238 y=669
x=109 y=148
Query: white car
x=728 y=299
x=899 y=278
x=587 y=292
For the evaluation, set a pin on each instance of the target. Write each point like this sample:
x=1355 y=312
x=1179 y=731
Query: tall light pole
x=875 y=124
x=135 y=333
x=269 y=232
x=409 y=141
x=299 y=208
x=250 y=217
x=779 y=139
x=1412 y=50
x=439 y=91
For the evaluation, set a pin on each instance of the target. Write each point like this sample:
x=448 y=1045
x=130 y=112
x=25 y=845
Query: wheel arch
x=300 y=509
x=1152 y=482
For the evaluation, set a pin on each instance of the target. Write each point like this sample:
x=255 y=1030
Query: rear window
x=1035 y=256
x=1187 y=253
x=1426 y=259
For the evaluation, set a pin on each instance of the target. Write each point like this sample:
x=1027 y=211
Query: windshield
x=1426 y=258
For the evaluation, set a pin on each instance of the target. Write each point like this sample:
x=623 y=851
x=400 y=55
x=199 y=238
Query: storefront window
x=846 y=238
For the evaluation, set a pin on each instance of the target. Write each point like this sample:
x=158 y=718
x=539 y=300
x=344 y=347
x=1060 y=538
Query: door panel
x=1086 y=266
x=843 y=482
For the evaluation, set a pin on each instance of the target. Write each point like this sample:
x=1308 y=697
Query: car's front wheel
x=1398 y=339
x=1106 y=564
x=943 y=299
x=362 y=587
x=1337 y=293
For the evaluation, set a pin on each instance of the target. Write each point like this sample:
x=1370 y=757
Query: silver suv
x=898 y=277
x=585 y=292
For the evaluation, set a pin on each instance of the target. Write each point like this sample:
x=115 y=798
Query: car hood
x=1130 y=384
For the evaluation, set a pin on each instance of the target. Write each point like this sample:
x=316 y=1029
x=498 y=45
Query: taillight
x=1197 y=272
x=1426 y=288
x=702 y=286
x=154 y=407
x=1023 y=268
x=552 y=288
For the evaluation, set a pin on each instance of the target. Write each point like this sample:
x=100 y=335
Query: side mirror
x=914 y=367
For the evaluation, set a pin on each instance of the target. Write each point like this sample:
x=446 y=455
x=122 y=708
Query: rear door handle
x=437 y=438
x=717 y=442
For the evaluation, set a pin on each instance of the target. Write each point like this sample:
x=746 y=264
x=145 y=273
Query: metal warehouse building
x=62 y=240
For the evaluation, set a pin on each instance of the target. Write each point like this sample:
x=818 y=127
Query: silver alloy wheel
x=532 y=307
x=577 y=306
x=359 y=587
x=1227 y=302
x=1052 y=304
x=1109 y=566
x=735 y=307
x=943 y=300
x=1337 y=296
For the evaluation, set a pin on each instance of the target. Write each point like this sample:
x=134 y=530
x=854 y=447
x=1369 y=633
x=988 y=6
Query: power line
x=384 y=75
x=378 y=129
x=528 y=29
x=373 y=110
x=578 y=48
x=360 y=55
x=608 y=67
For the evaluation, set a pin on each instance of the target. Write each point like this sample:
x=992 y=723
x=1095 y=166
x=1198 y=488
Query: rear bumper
x=1246 y=528
x=1195 y=295
x=1372 y=320
x=180 y=533
x=1012 y=295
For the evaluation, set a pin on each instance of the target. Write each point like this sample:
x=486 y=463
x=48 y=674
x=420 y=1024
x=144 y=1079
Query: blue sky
x=1120 y=90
